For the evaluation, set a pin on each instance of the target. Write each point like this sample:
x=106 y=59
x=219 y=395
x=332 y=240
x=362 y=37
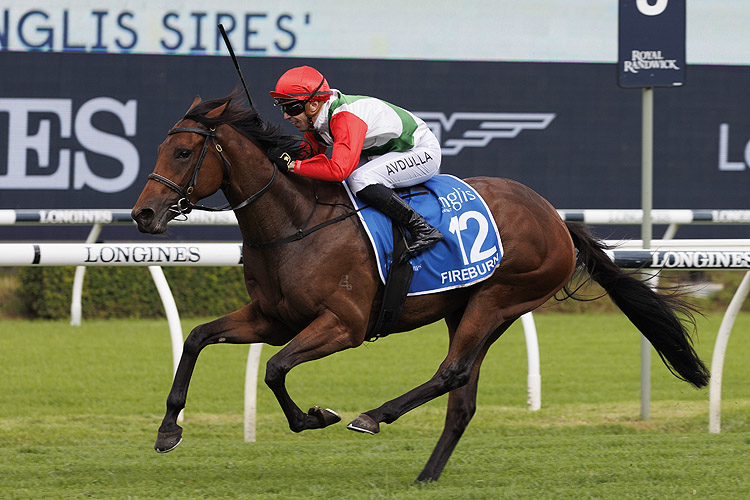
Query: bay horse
x=293 y=274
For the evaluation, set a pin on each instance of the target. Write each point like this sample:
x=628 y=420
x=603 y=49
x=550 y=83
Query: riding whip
x=234 y=60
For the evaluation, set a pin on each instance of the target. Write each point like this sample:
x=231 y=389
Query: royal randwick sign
x=651 y=43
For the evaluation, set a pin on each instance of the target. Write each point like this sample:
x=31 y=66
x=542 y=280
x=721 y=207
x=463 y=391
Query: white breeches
x=400 y=168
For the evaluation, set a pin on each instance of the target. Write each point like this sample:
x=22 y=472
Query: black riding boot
x=385 y=200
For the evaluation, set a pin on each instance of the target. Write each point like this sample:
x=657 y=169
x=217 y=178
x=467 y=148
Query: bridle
x=184 y=206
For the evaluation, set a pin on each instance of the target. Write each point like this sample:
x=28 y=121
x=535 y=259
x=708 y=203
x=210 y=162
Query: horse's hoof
x=325 y=417
x=364 y=423
x=168 y=441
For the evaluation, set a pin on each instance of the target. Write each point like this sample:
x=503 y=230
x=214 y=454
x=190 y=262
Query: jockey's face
x=302 y=120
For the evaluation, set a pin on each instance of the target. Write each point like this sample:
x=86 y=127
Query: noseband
x=184 y=205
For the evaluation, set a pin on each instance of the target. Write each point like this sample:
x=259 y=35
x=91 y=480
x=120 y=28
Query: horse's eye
x=182 y=153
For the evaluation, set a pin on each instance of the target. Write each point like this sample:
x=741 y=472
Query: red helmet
x=302 y=83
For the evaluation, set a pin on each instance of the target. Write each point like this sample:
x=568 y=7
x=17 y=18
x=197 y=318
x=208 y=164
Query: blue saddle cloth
x=470 y=251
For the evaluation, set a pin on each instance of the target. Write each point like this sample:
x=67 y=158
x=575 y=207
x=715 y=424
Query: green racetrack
x=80 y=406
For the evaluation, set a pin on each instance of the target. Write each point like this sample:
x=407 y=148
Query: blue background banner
x=81 y=130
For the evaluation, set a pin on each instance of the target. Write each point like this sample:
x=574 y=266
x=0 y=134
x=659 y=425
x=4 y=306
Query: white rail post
x=720 y=350
x=75 y=301
x=251 y=391
x=534 y=378
x=173 y=318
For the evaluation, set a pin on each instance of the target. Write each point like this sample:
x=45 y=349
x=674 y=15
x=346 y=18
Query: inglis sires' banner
x=87 y=94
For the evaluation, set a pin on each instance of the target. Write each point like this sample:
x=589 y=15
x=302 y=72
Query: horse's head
x=189 y=167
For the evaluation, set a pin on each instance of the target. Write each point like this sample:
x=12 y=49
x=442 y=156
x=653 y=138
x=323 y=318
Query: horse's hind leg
x=461 y=407
x=462 y=395
x=471 y=341
x=462 y=403
x=240 y=327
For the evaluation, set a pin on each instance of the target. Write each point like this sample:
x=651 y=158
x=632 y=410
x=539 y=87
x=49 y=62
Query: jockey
x=376 y=146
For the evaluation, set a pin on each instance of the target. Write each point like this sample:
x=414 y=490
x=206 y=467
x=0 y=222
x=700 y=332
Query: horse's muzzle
x=145 y=218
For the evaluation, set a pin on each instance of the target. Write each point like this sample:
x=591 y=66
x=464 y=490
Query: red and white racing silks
x=397 y=147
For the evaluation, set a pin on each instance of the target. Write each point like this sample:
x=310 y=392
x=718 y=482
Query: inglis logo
x=478 y=129
x=38 y=130
x=455 y=199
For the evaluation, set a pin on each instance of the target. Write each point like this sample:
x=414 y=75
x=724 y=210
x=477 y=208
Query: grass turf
x=79 y=409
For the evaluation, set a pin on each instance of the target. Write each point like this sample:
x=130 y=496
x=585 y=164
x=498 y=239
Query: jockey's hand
x=281 y=159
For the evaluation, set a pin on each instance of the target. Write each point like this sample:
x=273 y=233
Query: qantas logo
x=476 y=130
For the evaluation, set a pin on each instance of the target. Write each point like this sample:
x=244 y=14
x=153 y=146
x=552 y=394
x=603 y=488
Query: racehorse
x=300 y=243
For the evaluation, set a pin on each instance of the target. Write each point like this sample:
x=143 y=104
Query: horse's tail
x=654 y=314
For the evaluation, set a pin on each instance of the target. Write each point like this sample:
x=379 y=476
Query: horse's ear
x=216 y=112
x=196 y=101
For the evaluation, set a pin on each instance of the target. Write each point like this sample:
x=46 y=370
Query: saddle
x=468 y=254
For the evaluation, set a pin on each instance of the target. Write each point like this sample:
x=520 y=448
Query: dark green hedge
x=129 y=292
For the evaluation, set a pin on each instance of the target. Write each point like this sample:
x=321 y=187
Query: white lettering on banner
x=99 y=142
x=482 y=127
x=153 y=254
x=651 y=10
x=701 y=259
x=20 y=142
x=23 y=145
x=648 y=60
x=724 y=163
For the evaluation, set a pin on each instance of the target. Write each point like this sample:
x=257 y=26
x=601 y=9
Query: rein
x=303 y=231
x=184 y=206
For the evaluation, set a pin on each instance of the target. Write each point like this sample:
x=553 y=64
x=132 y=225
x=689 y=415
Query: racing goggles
x=292 y=107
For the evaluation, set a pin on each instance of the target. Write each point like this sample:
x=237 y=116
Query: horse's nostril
x=144 y=216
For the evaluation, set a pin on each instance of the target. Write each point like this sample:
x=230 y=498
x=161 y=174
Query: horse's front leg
x=244 y=326
x=325 y=335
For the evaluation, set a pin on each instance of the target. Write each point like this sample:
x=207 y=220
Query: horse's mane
x=245 y=118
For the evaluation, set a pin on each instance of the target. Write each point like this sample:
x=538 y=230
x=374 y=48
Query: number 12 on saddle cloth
x=470 y=250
